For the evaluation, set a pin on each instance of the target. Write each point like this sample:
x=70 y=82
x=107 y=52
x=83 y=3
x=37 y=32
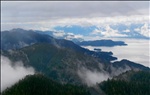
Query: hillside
x=41 y=85
x=128 y=83
x=60 y=64
x=19 y=38
x=137 y=83
x=64 y=64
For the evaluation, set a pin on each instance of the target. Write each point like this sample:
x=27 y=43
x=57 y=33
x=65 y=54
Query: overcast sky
x=14 y=13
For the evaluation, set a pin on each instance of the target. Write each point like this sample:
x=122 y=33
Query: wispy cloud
x=90 y=78
x=12 y=72
x=59 y=33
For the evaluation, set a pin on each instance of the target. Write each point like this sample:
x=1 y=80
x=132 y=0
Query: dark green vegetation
x=108 y=43
x=129 y=83
x=60 y=64
x=41 y=85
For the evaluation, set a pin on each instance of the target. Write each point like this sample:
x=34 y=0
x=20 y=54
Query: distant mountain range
x=60 y=59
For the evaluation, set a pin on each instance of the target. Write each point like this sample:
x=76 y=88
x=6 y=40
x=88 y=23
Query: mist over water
x=136 y=51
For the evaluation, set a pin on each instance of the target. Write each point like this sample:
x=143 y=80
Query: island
x=107 y=43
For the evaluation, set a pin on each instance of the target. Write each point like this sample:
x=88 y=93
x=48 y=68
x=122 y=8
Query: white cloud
x=70 y=36
x=127 y=30
x=96 y=31
x=59 y=33
x=95 y=37
x=145 y=30
x=90 y=78
x=111 y=32
x=137 y=29
x=70 y=33
x=78 y=36
x=97 y=21
x=12 y=72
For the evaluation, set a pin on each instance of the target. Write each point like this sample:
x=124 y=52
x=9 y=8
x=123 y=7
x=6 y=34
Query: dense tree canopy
x=135 y=83
x=41 y=85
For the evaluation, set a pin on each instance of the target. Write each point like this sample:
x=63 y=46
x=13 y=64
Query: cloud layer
x=53 y=9
x=12 y=72
x=45 y=14
x=137 y=51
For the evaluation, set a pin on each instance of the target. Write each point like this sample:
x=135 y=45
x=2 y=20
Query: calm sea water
x=137 y=51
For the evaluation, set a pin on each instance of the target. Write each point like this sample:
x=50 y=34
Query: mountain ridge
x=19 y=39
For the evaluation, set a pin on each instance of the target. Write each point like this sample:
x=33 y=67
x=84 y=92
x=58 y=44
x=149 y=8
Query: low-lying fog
x=136 y=51
x=12 y=72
